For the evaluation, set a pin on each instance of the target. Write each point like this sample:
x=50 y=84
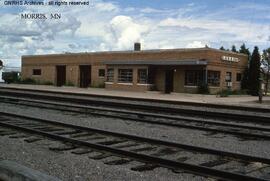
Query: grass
x=227 y=92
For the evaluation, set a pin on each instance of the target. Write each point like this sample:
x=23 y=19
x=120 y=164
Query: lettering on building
x=230 y=59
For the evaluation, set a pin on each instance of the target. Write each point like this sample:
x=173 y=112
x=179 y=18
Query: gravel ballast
x=68 y=166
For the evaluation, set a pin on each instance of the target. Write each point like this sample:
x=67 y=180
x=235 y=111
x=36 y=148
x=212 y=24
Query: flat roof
x=157 y=62
x=141 y=51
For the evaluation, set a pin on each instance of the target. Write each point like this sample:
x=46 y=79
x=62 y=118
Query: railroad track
x=151 y=153
x=142 y=100
x=234 y=127
x=159 y=106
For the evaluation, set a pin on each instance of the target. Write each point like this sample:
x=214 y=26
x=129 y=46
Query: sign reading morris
x=230 y=59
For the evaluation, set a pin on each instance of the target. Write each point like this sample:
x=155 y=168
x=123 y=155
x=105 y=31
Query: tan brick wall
x=179 y=80
x=160 y=79
x=235 y=85
x=128 y=87
x=47 y=73
x=97 y=81
x=72 y=74
x=48 y=62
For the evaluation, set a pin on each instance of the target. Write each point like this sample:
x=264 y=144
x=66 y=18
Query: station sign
x=230 y=59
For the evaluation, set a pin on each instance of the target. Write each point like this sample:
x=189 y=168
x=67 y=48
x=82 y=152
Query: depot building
x=166 y=70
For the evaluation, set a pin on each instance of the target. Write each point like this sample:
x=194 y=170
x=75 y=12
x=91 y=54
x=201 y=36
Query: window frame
x=215 y=81
x=197 y=76
x=36 y=72
x=237 y=77
x=227 y=75
x=110 y=75
x=141 y=80
x=122 y=78
x=103 y=73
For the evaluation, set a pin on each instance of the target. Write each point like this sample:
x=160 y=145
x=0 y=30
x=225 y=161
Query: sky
x=108 y=25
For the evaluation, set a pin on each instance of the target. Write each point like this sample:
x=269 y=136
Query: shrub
x=227 y=92
x=239 y=92
x=28 y=81
x=47 y=83
x=224 y=93
x=203 y=89
x=153 y=88
x=69 y=84
x=10 y=77
x=101 y=85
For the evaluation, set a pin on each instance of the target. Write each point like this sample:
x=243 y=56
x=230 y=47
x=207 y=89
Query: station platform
x=236 y=100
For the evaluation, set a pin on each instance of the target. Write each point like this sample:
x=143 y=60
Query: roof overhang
x=157 y=62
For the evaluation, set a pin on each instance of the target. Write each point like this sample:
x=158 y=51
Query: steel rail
x=172 y=124
x=201 y=170
x=198 y=104
x=84 y=100
x=125 y=105
x=143 y=139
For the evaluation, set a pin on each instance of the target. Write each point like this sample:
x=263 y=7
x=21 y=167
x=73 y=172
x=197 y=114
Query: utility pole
x=1 y=64
x=260 y=90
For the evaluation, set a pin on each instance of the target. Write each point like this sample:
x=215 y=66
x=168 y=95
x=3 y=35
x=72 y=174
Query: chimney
x=137 y=46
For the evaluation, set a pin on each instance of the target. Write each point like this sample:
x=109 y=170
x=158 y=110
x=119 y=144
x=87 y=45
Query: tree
x=254 y=72
x=222 y=48
x=234 y=49
x=266 y=67
x=244 y=50
x=245 y=83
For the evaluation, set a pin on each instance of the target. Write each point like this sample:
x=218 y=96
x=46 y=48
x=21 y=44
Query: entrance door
x=169 y=81
x=85 y=75
x=60 y=75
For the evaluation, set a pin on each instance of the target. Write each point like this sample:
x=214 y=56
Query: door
x=85 y=76
x=60 y=75
x=169 y=81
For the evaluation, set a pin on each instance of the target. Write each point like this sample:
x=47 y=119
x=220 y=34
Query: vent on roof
x=137 y=46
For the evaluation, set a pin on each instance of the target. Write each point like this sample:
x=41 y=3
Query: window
x=238 y=77
x=142 y=76
x=101 y=72
x=36 y=71
x=213 y=78
x=193 y=77
x=110 y=75
x=228 y=77
x=125 y=75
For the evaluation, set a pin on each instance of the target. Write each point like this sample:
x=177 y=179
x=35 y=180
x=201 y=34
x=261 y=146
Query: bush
x=101 y=85
x=203 y=89
x=10 y=77
x=153 y=88
x=28 y=81
x=227 y=92
x=224 y=93
x=239 y=92
x=47 y=83
x=33 y=82
x=69 y=84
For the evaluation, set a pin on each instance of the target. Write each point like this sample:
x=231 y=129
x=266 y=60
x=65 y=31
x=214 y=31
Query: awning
x=157 y=62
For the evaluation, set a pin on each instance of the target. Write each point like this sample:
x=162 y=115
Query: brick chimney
x=137 y=46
